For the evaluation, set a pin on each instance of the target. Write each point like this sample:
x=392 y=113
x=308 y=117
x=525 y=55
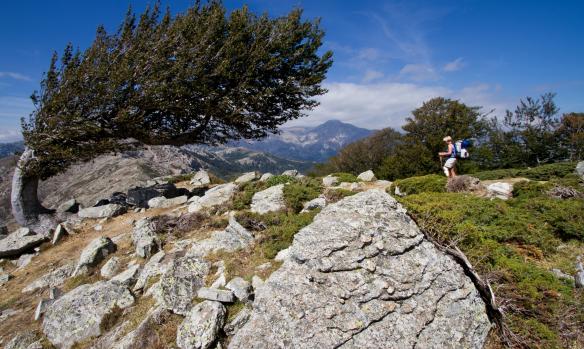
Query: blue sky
x=389 y=56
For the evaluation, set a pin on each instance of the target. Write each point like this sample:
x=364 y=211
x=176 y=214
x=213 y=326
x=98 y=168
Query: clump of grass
x=78 y=280
x=110 y=319
x=423 y=184
x=233 y=309
x=243 y=197
x=275 y=180
x=345 y=177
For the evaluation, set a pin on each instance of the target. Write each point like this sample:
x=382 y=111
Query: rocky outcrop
x=247 y=177
x=215 y=196
x=363 y=275
x=78 y=315
x=367 y=176
x=20 y=241
x=201 y=326
x=201 y=179
x=500 y=190
x=233 y=238
x=53 y=279
x=330 y=181
x=139 y=196
x=104 y=211
x=269 y=200
x=162 y=202
x=94 y=253
x=180 y=283
x=266 y=176
x=144 y=238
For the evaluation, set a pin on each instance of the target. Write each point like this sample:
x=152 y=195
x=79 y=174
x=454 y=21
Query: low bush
x=345 y=177
x=301 y=191
x=275 y=180
x=334 y=195
x=539 y=173
x=414 y=185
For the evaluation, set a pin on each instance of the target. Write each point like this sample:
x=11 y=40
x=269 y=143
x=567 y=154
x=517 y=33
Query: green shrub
x=345 y=177
x=275 y=180
x=539 y=173
x=422 y=184
x=496 y=174
x=242 y=198
x=299 y=192
x=334 y=195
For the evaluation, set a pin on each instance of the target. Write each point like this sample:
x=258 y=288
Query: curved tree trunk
x=26 y=207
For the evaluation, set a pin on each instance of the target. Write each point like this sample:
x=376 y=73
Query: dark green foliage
x=514 y=244
x=275 y=180
x=422 y=184
x=345 y=177
x=539 y=173
x=242 y=199
x=296 y=194
x=203 y=76
x=571 y=134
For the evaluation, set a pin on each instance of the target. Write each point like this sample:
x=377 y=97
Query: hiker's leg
x=453 y=171
x=446 y=171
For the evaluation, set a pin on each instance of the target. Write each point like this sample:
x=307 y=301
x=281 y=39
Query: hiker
x=450 y=156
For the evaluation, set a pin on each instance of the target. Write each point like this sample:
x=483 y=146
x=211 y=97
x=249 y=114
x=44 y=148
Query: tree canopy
x=203 y=76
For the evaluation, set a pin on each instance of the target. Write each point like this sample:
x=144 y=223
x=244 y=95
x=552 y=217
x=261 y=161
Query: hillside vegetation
x=515 y=244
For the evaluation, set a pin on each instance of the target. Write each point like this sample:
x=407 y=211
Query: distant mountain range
x=7 y=149
x=315 y=144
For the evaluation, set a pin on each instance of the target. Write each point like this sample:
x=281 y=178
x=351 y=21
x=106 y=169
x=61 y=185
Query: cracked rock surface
x=362 y=275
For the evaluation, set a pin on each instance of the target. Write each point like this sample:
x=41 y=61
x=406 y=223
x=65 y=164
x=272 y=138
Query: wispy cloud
x=418 y=72
x=13 y=108
x=371 y=75
x=455 y=65
x=15 y=76
x=10 y=135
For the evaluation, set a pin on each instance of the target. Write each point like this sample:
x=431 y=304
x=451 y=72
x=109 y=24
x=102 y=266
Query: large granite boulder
x=500 y=190
x=180 y=283
x=103 y=211
x=201 y=326
x=78 y=315
x=362 y=275
x=233 y=238
x=330 y=181
x=144 y=238
x=20 y=241
x=367 y=176
x=215 y=196
x=269 y=200
x=94 y=253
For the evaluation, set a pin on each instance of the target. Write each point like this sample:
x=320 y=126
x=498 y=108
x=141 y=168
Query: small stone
x=94 y=253
x=55 y=278
x=24 y=260
x=367 y=176
x=290 y=173
x=201 y=326
x=241 y=288
x=266 y=176
x=128 y=276
x=162 y=202
x=201 y=179
x=110 y=268
x=247 y=177
x=68 y=206
x=330 y=181
x=58 y=234
x=109 y=210
x=4 y=278
x=269 y=200
x=214 y=294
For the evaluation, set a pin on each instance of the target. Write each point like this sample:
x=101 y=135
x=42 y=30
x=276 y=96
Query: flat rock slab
x=233 y=238
x=20 y=241
x=362 y=275
x=162 y=202
x=213 y=294
x=215 y=196
x=104 y=211
x=269 y=200
x=144 y=238
x=201 y=326
x=180 y=283
x=53 y=279
x=77 y=315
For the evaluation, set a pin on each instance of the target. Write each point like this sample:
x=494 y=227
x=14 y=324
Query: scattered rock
x=180 y=282
x=233 y=238
x=201 y=326
x=367 y=176
x=291 y=173
x=330 y=181
x=580 y=169
x=215 y=196
x=42 y=308
x=352 y=186
x=464 y=184
x=247 y=177
x=269 y=200
x=6 y=313
x=338 y=291
x=4 y=278
x=78 y=315
x=162 y=202
x=266 y=176
x=20 y=241
x=109 y=210
x=561 y=275
x=144 y=238
x=240 y=288
x=314 y=204
x=579 y=276
x=201 y=179
x=127 y=277
x=94 y=253
x=238 y=321
x=151 y=269
x=214 y=294
x=71 y=206
x=53 y=279
x=24 y=340
x=193 y=199
x=500 y=190
x=24 y=260
x=59 y=233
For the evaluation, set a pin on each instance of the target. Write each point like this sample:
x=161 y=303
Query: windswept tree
x=204 y=76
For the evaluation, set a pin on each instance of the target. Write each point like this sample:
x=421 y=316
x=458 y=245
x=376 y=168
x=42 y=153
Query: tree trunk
x=26 y=207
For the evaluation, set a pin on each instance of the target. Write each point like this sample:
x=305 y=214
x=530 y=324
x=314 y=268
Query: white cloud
x=10 y=135
x=418 y=72
x=455 y=65
x=369 y=54
x=13 y=108
x=371 y=75
x=15 y=76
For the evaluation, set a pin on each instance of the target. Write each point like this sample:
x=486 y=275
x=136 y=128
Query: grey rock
x=151 y=269
x=24 y=340
x=20 y=241
x=201 y=326
x=213 y=294
x=238 y=321
x=291 y=173
x=201 y=179
x=256 y=283
x=233 y=238
x=109 y=210
x=24 y=260
x=561 y=275
x=247 y=177
x=367 y=176
x=162 y=202
x=360 y=276
x=266 y=176
x=58 y=234
x=351 y=186
x=193 y=199
x=580 y=169
x=282 y=255
x=6 y=313
x=330 y=181
x=144 y=238
x=53 y=279
x=143 y=336
x=500 y=190
x=68 y=206
x=41 y=308
x=94 y=253
x=4 y=278
x=579 y=276
x=269 y=200
x=314 y=204
x=78 y=315
x=110 y=268
x=128 y=277
x=180 y=283
x=215 y=196
x=240 y=288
